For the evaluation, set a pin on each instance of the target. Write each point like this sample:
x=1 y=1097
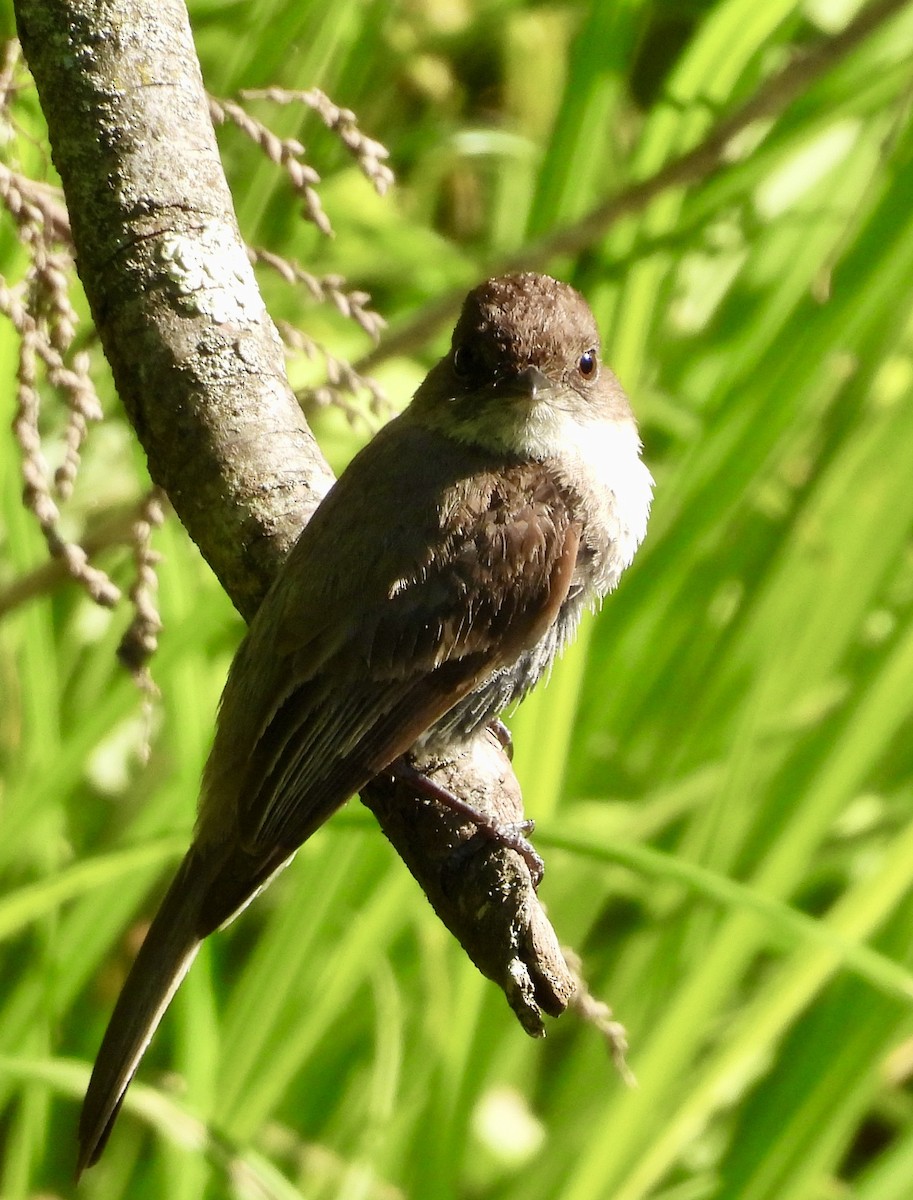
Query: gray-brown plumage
x=434 y=585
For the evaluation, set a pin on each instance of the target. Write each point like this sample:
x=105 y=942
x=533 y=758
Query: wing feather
x=487 y=590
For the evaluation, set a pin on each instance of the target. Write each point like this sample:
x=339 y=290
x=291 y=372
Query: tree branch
x=198 y=365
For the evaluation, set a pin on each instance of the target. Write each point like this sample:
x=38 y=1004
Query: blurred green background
x=721 y=770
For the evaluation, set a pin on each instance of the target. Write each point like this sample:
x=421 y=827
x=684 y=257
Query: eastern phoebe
x=431 y=589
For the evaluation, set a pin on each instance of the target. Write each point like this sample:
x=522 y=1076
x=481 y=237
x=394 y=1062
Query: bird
x=437 y=581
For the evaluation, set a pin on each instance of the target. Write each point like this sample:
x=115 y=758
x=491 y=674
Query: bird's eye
x=464 y=361
x=587 y=364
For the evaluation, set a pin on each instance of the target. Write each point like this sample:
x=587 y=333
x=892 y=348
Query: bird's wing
x=488 y=589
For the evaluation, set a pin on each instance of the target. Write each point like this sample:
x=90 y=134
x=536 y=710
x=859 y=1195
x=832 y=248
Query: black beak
x=531 y=381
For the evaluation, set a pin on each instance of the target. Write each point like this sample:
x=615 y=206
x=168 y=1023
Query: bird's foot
x=511 y=836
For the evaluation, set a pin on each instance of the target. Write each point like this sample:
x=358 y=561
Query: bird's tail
x=163 y=960
x=213 y=884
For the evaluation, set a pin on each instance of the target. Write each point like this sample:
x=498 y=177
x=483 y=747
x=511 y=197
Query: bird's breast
x=600 y=462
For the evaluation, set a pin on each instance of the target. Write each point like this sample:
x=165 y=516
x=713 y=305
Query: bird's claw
x=511 y=836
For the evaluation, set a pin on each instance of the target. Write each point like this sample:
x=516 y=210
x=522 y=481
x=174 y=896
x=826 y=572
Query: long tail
x=164 y=958
x=211 y=887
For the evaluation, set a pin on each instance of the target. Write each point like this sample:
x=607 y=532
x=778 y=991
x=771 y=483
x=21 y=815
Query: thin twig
x=140 y=641
x=368 y=153
x=115 y=528
x=36 y=491
x=285 y=152
x=598 y=1014
x=326 y=288
x=43 y=315
x=341 y=377
x=46 y=200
